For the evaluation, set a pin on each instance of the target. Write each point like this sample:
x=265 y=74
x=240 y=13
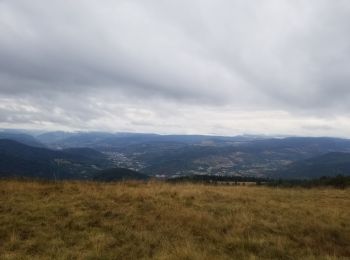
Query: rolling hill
x=21 y=138
x=17 y=159
x=330 y=164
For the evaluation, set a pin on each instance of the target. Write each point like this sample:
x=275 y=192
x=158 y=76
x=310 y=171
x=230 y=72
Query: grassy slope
x=184 y=221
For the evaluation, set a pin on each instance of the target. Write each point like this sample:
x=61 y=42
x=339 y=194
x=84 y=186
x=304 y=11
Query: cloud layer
x=223 y=67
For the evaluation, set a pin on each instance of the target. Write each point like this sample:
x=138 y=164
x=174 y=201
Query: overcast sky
x=186 y=66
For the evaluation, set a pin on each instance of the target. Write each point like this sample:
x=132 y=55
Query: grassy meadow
x=86 y=220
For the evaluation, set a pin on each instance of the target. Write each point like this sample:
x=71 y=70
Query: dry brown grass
x=74 y=220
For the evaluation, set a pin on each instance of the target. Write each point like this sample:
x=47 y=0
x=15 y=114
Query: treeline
x=217 y=179
x=339 y=181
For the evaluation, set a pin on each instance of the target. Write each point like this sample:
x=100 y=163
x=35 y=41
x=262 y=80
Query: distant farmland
x=87 y=220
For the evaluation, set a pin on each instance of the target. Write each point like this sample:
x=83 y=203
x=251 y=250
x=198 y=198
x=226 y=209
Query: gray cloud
x=201 y=66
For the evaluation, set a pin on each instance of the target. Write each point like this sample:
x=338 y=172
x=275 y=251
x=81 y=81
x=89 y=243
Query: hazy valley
x=59 y=155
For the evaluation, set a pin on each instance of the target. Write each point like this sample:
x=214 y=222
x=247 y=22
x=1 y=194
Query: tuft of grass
x=131 y=220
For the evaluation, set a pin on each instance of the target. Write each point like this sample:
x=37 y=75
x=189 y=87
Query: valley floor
x=77 y=220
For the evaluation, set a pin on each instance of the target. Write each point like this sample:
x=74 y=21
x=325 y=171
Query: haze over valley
x=80 y=155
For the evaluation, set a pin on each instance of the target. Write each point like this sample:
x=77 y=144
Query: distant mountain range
x=81 y=155
x=105 y=141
